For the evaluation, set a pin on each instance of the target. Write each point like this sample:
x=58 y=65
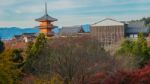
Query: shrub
x=137 y=49
x=138 y=76
x=9 y=71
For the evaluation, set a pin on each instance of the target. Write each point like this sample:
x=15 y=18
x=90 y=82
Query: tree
x=16 y=56
x=137 y=48
x=137 y=76
x=1 y=46
x=76 y=59
x=32 y=54
x=72 y=60
x=10 y=73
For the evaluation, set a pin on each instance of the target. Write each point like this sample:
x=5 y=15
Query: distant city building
x=25 y=37
x=46 y=25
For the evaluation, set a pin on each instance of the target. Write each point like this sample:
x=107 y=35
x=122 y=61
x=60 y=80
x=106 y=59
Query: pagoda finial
x=46 y=7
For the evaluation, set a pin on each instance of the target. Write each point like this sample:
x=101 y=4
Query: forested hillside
x=8 y=33
x=75 y=61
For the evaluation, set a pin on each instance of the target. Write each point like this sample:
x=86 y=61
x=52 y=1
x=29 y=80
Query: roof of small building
x=136 y=27
x=17 y=36
x=56 y=30
x=29 y=34
x=86 y=28
x=136 y=24
x=136 y=30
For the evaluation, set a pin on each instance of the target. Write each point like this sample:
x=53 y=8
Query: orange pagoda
x=46 y=25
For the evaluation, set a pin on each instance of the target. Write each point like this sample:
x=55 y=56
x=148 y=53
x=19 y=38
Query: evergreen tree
x=32 y=53
x=137 y=48
x=17 y=58
x=9 y=71
x=1 y=46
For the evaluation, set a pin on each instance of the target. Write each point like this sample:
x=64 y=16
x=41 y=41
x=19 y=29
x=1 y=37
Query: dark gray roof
x=136 y=27
x=17 y=36
x=137 y=24
x=137 y=30
x=70 y=31
x=29 y=34
x=46 y=17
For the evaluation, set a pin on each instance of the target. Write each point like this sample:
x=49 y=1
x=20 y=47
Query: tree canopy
x=2 y=46
x=137 y=48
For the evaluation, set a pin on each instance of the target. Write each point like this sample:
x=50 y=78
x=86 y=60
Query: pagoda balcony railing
x=49 y=26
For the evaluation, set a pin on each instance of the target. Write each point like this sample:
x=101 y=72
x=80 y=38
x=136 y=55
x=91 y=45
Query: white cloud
x=26 y=10
x=18 y=24
x=7 y=3
x=53 y=5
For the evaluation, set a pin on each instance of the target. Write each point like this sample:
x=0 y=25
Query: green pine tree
x=137 y=48
x=1 y=46
x=32 y=53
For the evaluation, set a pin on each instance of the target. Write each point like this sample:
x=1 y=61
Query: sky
x=22 y=13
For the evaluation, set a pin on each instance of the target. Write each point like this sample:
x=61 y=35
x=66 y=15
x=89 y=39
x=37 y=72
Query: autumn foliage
x=72 y=60
x=139 y=76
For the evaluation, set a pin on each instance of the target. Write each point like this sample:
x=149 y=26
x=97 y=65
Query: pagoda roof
x=46 y=17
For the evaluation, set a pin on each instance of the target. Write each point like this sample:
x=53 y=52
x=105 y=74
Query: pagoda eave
x=43 y=27
x=45 y=20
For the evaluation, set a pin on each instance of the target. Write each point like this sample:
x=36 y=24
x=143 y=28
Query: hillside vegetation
x=79 y=60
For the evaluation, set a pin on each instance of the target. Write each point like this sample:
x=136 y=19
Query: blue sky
x=21 y=13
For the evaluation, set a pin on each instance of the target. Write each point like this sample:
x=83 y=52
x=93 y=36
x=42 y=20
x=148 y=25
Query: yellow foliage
x=8 y=72
x=55 y=79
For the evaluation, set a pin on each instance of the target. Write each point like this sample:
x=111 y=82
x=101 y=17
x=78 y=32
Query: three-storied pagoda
x=46 y=25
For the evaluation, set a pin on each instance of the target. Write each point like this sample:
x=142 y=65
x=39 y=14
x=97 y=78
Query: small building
x=17 y=38
x=108 y=31
x=71 y=31
x=28 y=37
x=25 y=37
x=74 y=31
x=133 y=28
x=13 y=44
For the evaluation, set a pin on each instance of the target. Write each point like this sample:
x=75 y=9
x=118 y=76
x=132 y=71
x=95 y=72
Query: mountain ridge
x=7 y=33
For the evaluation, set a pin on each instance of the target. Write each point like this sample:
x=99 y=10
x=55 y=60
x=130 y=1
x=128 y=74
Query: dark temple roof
x=46 y=17
x=70 y=31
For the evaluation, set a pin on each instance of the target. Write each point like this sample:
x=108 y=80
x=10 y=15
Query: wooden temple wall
x=107 y=34
x=148 y=40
